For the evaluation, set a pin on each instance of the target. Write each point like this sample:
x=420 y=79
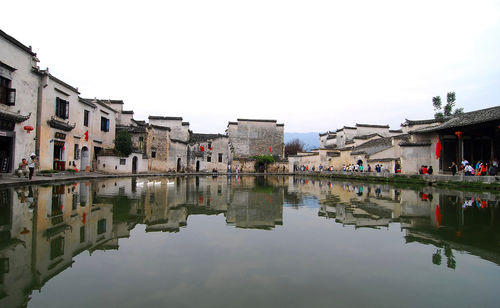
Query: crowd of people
x=349 y=168
x=468 y=169
x=480 y=168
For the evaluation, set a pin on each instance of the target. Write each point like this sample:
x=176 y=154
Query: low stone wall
x=437 y=179
x=112 y=164
x=249 y=166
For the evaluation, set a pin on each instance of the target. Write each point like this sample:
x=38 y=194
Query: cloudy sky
x=313 y=65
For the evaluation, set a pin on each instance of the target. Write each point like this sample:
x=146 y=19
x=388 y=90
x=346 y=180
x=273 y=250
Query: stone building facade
x=207 y=152
x=249 y=137
x=18 y=101
x=71 y=129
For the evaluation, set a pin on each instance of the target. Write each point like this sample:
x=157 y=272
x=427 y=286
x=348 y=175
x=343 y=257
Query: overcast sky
x=313 y=65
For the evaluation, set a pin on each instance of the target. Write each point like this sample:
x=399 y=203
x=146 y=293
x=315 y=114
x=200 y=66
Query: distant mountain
x=311 y=140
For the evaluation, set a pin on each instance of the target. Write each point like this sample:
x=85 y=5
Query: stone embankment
x=439 y=180
x=458 y=181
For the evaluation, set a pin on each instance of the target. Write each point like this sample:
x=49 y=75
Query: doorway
x=198 y=166
x=134 y=165
x=59 y=163
x=178 y=164
x=85 y=159
x=5 y=154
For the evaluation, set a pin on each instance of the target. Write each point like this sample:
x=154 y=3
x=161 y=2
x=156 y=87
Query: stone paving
x=11 y=179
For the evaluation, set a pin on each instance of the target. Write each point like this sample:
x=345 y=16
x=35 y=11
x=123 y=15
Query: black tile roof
x=414 y=144
x=465 y=119
x=165 y=118
x=373 y=146
x=197 y=138
x=257 y=120
x=87 y=102
x=372 y=125
x=18 y=44
x=421 y=122
x=364 y=137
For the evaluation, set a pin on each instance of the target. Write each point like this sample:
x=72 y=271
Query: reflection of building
x=260 y=210
x=42 y=229
x=16 y=246
x=165 y=204
x=65 y=226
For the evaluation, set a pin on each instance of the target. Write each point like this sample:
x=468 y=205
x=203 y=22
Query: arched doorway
x=198 y=166
x=360 y=162
x=85 y=159
x=134 y=165
x=179 y=164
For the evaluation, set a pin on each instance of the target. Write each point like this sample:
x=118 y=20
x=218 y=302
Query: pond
x=273 y=241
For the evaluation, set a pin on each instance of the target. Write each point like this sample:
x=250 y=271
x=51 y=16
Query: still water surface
x=246 y=242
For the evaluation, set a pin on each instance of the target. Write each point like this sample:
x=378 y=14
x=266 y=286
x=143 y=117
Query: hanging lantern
x=28 y=128
x=458 y=134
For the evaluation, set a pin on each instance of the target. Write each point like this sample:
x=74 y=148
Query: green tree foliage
x=123 y=143
x=293 y=147
x=262 y=161
x=446 y=110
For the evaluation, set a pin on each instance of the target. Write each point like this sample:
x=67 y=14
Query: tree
x=262 y=161
x=123 y=143
x=293 y=147
x=447 y=110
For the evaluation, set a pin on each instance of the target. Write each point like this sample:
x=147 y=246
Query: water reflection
x=43 y=228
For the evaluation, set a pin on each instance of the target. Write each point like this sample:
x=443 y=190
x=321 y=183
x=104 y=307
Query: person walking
x=32 y=164
x=453 y=168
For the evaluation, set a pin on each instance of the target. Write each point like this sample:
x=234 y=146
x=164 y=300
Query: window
x=153 y=154
x=7 y=95
x=74 y=202
x=86 y=118
x=104 y=124
x=77 y=152
x=4 y=265
x=82 y=234
x=209 y=158
x=141 y=143
x=56 y=247
x=101 y=226
x=220 y=157
x=62 y=108
x=123 y=161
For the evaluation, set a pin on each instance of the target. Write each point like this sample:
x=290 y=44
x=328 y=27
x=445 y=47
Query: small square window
x=123 y=161
x=104 y=124
x=101 y=226
x=86 y=118
x=209 y=158
x=82 y=234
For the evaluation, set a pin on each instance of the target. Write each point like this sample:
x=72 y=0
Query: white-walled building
x=18 y=101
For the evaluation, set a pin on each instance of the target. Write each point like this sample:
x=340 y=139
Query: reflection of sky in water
x=309 y=261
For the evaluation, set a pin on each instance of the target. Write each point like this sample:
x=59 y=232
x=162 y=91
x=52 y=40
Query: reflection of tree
x=450 y=258
x=436 y=257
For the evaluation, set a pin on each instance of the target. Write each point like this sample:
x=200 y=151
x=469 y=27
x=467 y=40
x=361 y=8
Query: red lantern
x=28 y=128
x=459 y=134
